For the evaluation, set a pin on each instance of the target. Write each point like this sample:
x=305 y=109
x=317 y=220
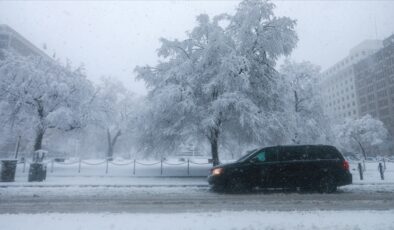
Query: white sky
x=111 y=38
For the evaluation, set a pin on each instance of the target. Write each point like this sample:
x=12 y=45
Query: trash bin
x=8 y=168
x=38 y=169
x=37 y=172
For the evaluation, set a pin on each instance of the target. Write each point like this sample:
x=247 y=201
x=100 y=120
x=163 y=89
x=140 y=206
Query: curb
x=108 y=186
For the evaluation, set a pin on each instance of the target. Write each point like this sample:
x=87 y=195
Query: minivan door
x=263 y=164
x=291 y=165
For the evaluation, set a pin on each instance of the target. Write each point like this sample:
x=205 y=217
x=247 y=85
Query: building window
x=382 y=93
x=383 y=103
x=384 y=112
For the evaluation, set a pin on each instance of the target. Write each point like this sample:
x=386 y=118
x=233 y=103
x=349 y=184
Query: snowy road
x=185 y=198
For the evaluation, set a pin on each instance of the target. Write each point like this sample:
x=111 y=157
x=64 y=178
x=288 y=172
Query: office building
x=374 y=79
x=338 y=83
x=12 y=41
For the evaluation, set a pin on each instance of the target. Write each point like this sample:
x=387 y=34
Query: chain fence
x=51 y=164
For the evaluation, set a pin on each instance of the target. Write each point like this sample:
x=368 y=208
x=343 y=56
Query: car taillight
x=345 y=165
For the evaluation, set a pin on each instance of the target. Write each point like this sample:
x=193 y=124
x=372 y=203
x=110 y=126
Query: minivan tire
x=327 y=185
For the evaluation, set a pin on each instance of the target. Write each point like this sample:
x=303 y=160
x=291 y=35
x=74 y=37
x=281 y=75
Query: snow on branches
x=42 y=94
x=220 y=81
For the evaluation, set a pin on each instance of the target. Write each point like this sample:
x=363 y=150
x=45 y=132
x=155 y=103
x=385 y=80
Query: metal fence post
x=381 y=171
x=384 y=163
x=134 y=168
x=360 y=170
x=106 y=168
x=188 y=167
x=24 y=166
x=79 y=165
x=52 y=163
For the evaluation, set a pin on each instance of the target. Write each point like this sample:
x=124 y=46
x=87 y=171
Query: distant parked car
x=317 y=167
x=59 y=160
x=371 y=159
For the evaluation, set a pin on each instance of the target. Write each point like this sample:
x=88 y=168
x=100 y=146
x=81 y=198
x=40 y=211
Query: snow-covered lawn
x=245 y=220
x=371 y=174
x=126 y=168
x=173 y=175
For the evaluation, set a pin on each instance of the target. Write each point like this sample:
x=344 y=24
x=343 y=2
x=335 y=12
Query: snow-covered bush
x=365 y=135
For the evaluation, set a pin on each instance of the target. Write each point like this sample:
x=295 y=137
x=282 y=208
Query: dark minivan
x=307 y=167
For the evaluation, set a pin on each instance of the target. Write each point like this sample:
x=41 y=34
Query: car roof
x=319 y=145
x=292 y=146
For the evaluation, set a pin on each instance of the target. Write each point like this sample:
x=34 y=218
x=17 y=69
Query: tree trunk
x=214 y=146
x=111 y=143
x=296 y=110
x=362 y=148
x=40 y=128
x=296 y=101
x=38 y=140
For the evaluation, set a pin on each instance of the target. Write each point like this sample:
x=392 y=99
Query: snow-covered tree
x=114 y=107
x=219 y=82
x=306 y=120
x=41 y=94
x=365 y=134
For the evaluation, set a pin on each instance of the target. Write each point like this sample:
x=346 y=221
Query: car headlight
x=217 y=171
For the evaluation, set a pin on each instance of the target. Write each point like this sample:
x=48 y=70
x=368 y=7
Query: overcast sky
x=111 y=38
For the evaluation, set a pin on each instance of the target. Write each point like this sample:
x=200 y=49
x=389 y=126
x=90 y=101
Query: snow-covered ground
x=371 y=173
x=245 y=220
x=119 y=200
x=127 y=169
x=120 y=173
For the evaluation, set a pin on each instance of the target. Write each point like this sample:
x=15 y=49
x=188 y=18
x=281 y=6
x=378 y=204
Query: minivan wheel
x=327 y=185
x=236 y=185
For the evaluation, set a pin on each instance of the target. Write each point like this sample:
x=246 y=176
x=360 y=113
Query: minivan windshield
x=247 y=155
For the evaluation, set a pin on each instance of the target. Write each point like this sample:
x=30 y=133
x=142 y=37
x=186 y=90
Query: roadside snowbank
x=221 y=220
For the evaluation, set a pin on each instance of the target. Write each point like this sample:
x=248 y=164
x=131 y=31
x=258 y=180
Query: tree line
x=219 y=89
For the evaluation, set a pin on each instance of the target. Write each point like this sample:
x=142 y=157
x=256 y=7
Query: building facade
x=374 y=81
x=338 y=84
x=12 y=41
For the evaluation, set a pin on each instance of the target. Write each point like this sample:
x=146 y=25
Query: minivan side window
x=265 y=155
x=323 y=153
x=293 y=153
